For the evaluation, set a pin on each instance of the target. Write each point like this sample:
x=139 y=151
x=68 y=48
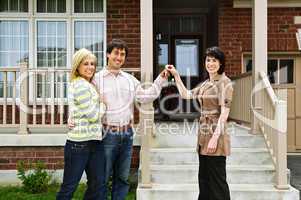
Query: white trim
x=297 y=19
x=45 y=139
x=42 y=137
x=271 y=3
x=298 y=38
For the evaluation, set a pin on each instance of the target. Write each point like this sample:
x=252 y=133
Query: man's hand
x=70 y=122
x=102 y=99
x=172 y=70
x=165 y=74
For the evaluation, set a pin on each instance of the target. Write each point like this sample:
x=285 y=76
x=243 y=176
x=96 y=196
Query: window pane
x=187 y=60
x=85 y=36
x=273 y=71
x=13 y=6
x=51 y=44
x=98 y=6
x=88 y=6
x=3 y=58
x=41 y=6
x=286 y=71
x=13 y=43
x=78 y=6
x=23 y=6
x=51 y=6
x=3 y=5
x=163 y=54
x=61 y=6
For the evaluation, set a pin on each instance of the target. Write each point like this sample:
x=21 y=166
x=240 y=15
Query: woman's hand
x=172 y=70
x=212 y=145
x=165 y=74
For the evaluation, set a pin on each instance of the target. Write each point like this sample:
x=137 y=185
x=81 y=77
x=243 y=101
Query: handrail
x=269 y=88
x=272 y=116
x=274 y=130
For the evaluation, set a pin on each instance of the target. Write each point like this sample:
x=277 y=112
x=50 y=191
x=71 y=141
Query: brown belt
x=116 y=128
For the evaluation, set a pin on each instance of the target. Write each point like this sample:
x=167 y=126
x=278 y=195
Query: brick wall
x=235 y=32
x=53 y=157
x=123 y=22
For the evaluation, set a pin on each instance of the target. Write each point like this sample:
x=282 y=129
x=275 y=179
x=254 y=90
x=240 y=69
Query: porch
x=37 y=106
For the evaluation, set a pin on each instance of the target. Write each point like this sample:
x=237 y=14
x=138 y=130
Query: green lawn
x=17 y=193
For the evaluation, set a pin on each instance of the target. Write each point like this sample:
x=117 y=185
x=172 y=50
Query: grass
x=17 y=193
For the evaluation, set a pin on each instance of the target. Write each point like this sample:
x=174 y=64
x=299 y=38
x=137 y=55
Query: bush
x=35 y=178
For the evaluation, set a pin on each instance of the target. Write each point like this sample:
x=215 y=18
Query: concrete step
x=237 y=174
x=238 y=192
x=178 y=140
x=182 y=156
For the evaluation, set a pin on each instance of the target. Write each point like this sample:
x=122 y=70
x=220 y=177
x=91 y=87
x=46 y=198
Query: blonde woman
x=84 y=149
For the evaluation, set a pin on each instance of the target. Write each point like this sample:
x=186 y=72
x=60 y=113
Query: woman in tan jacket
x=214 y=96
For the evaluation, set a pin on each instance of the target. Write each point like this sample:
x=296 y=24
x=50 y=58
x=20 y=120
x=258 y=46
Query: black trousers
x=212 y=178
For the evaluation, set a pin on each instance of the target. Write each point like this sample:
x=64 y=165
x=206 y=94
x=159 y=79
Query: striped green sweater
x=85 y=110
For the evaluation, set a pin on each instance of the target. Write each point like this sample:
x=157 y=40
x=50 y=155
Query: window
x=51 y=44
x=89 y=34
x=13 y=43
x=51 y=6
x=88 y=6
x=280 y=70
x=13 y=51
x=187 y=51
x=46 y=36
x=13 y=5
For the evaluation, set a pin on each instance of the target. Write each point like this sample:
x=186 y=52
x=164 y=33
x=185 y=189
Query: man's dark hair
x=118 y=44
x=217 y=53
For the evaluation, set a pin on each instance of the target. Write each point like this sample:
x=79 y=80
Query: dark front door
x=182 y=47
x=182 y=30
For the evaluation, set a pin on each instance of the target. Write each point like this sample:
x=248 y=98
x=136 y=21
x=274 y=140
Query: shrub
x=34 y=178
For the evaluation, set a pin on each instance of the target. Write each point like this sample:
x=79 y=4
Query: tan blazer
x=212 y=94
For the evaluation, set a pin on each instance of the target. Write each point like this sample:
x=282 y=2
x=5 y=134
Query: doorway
x=182 y=31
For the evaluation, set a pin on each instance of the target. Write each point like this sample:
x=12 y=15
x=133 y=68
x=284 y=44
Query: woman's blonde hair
x=78 y=57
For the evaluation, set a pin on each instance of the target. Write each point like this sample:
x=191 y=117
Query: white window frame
x=275 y=56
x=32 y=16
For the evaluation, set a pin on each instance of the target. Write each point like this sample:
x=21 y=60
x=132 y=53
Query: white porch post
x=147 y=111
x=259 y=51
x=23 y=129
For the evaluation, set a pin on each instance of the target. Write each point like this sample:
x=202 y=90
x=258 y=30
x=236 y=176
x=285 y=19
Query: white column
x=259 y=50
x=147 y=110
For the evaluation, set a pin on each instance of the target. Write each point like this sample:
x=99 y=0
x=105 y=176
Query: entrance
x=182 y=31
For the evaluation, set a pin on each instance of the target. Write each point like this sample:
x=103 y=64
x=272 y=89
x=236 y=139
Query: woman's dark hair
x=118 y=44
x=218 y=54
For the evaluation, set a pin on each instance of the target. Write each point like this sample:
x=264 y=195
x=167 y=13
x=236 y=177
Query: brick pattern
x=123 y=22
x=235 y=32
x=53 y=157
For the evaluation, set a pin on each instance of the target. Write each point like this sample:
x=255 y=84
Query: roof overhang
x=271 y=3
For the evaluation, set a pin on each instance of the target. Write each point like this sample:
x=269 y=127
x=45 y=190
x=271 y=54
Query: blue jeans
x=118 y=154
x=85 y=156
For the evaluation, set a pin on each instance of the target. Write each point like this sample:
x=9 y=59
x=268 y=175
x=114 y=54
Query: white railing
x=273 y=126
x=272 y=115
x=36 y=98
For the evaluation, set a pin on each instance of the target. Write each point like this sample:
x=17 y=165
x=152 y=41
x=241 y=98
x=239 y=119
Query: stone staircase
x=174 y=166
